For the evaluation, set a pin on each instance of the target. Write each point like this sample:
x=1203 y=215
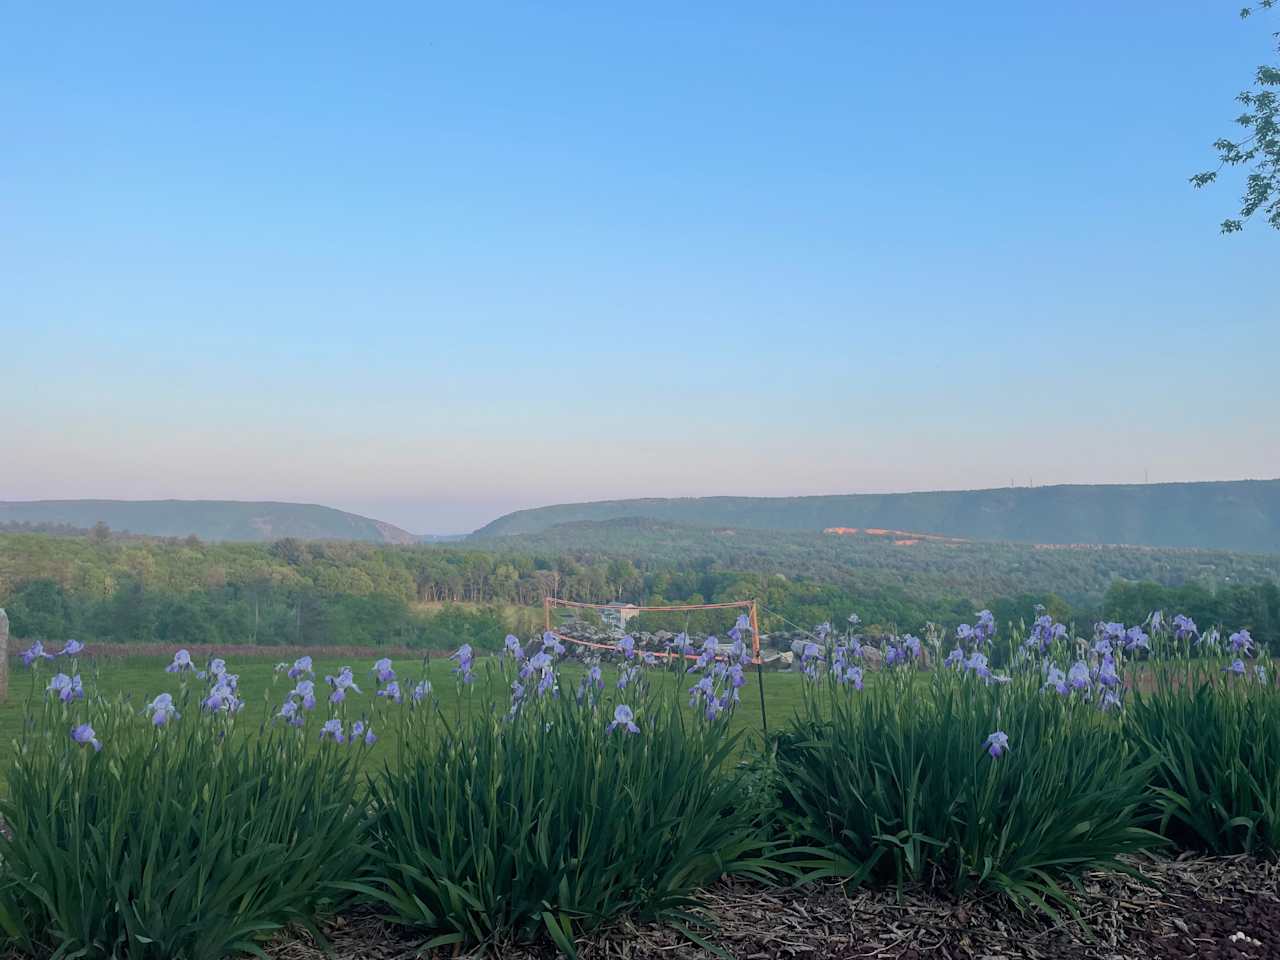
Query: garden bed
x=1192 y=907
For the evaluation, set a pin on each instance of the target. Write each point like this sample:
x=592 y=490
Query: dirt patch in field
x=1194 y=907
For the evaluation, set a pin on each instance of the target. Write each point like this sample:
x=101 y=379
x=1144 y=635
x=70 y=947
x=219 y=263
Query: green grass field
x=143 y=677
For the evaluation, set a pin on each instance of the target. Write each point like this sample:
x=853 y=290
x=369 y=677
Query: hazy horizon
x=435 y=265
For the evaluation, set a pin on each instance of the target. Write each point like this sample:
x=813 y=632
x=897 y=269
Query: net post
x=546 y=614
x=755 y=647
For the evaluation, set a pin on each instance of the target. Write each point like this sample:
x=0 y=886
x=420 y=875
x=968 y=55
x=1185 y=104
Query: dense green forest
x=1235 y=515
x=132 y=589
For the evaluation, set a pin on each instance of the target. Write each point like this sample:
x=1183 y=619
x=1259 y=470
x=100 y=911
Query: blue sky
x=436 y=263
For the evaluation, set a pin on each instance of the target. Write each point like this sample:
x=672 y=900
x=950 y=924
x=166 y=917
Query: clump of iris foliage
x=1083 y=749
x=563 y=806
x=963 y=777
x=1211 y=718
x=166 y=830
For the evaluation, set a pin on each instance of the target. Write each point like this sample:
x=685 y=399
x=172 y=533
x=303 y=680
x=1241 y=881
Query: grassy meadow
x=142 y=678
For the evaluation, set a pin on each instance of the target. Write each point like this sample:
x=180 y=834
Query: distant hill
x=1241 y=515
x=208 y=519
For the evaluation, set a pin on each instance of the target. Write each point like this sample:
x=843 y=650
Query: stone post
x=4 y=656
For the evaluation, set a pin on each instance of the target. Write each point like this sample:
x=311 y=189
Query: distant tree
x=1260 y=149
x=101 y=533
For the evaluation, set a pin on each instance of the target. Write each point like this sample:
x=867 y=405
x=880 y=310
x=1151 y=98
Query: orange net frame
x=548 y=603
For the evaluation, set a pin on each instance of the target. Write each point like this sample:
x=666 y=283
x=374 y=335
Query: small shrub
x=192 y=839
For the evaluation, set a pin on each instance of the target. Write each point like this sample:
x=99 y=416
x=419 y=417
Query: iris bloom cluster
x=719 y=688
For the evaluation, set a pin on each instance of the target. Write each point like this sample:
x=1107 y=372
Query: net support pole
x=755 y=641
x=546 y=614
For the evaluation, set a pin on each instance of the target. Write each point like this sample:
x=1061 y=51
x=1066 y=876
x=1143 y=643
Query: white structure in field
x=618 y=616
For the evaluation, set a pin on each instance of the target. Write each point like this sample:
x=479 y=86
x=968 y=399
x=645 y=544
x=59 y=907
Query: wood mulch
x=1192 y=907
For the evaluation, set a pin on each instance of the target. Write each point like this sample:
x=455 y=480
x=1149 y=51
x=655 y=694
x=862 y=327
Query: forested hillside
x=206 y=519
x=184 y=591
x=1237 y=515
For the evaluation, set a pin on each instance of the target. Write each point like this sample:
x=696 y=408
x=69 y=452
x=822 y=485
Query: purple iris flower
x=1135 y=640
x=851 y=675
x=289 y=713
x=628 y=646
x=1056 y=679
x=547 y=682
x=624 y=718
x=66 y=688
x=162 y=710
x=391 y=691
x=361 y=732
x=854 y=619
x=181 y=663
x=985 y=628
x=955 y=659
x=552 y=643
x=1107 y=675
x=893 y=654
x=1241 y=642
x=822 y=630
x=517 y=693
x=35 y=652
x=1237 y=667
x=306 y=692
x=912 y=644
x=333 y=728
x=222 y=697
x=1102 y=646
x=997 y=743
x=513 y=647
x=73 y=648
x=464 y=657
x=1184 y=627
x=744 y=622
x=626 y=675
x=1078 y=676
x=964 y=633
x=83 y=733
x=703 y=689
x=1211 y=639
x=977 y=662
x=382 y=670
x=344 y=681
x=809 y=658
x=301 y=666
x=218 y=667
x=681 y=644
x=1156 y=620
x=421 y=691
x=535 y=664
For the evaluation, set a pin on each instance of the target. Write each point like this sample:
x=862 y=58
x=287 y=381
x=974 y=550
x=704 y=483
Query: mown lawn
x=143 y=677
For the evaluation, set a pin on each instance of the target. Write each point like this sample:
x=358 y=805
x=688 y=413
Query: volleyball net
x=564 y=617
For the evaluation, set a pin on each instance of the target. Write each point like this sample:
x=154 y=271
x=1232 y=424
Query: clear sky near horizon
x=435 y=262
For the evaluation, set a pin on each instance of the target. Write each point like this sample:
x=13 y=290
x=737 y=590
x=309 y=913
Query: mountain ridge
x=251 y=521
x=1242 y=515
